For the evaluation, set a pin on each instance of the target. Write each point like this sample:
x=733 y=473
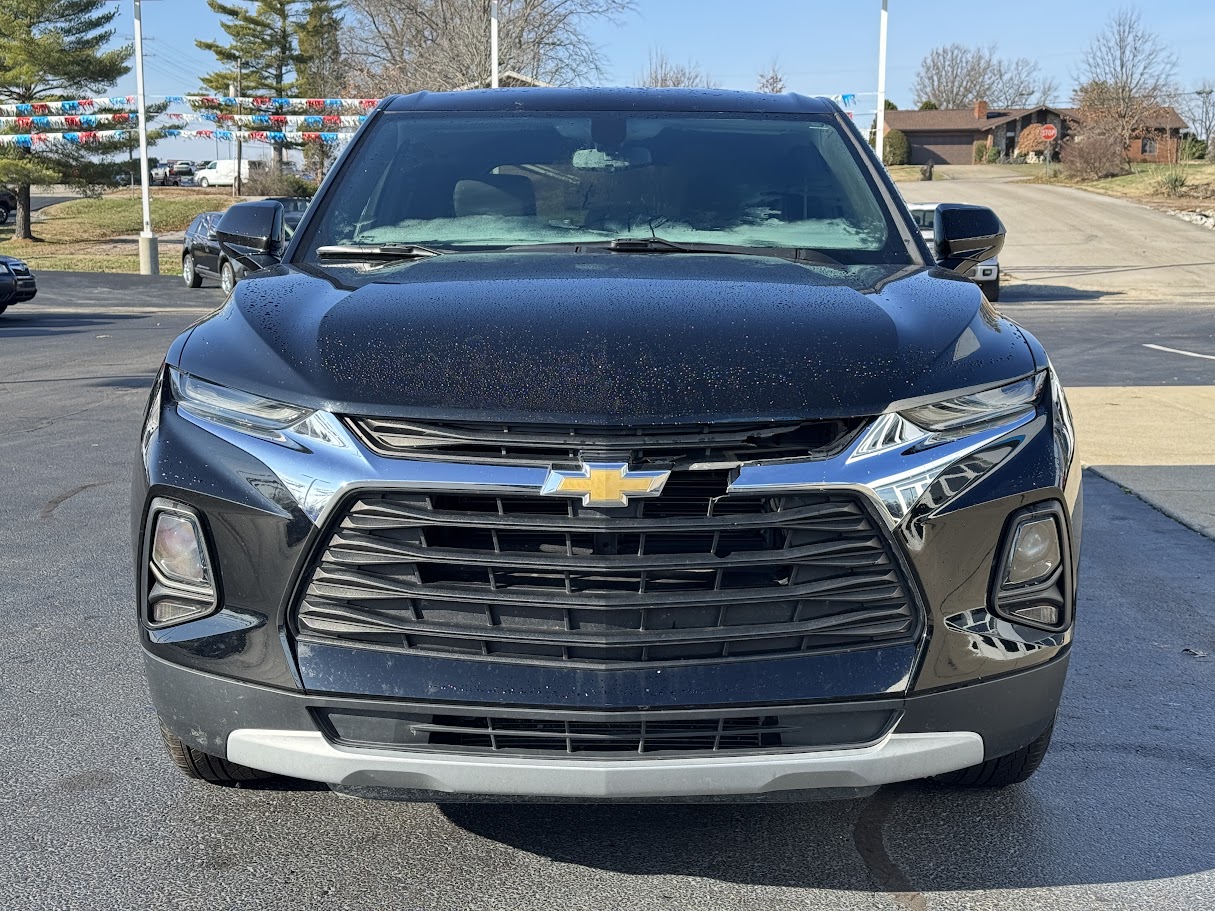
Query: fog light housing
x=179 y=584
x=1032 y=580
x=177 y=548
x=1045 y=614
x=1036 y=552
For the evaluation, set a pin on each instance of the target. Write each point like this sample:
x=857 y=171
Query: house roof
x=964 y=120
x=947 y=121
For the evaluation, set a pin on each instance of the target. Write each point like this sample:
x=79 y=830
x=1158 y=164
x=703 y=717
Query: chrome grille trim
x=548 y=444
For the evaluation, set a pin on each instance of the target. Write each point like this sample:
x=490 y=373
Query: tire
x=189 y=274
x=991 y=290
x=227 y=277
x=202 y=182
x=204 y=767
x=4 y=213
x=3 y=307
x=1003 y=770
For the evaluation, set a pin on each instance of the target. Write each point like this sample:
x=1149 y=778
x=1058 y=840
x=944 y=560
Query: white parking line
x=1209 y=357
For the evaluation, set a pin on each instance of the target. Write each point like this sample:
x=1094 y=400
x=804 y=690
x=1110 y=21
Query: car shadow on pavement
x=15 y=324
x=1035 y=293
x=905 y=838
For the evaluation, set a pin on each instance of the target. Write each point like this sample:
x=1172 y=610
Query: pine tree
x=51 y=50
x=261 y=55
x=319 y=71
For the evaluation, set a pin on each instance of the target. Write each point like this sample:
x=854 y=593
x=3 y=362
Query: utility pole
x=149 y=254
x=879 y=142
x=236 y=180
x=493 y=44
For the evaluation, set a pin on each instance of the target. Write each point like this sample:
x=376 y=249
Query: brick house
x=948 y=137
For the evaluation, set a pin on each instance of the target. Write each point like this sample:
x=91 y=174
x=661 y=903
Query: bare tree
x=1197 y=108
x=772 y=80
x=1125 y=78
x=662 y=73
x=955 y=76
x=407 y=45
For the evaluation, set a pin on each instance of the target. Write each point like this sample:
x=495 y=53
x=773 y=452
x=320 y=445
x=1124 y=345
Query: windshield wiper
x=376 y=251
x=653 y=245
x=662 y=245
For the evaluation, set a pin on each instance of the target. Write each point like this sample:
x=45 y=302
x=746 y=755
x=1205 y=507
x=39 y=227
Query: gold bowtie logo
x=604 y=483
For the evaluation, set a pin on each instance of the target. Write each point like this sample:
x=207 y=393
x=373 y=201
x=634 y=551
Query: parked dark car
x=200 y=254
x=17 y=283
x=233 y=269
x=607 y=444
x=8 y=204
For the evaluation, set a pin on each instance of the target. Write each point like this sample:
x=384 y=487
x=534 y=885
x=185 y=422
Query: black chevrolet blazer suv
x=607 y=444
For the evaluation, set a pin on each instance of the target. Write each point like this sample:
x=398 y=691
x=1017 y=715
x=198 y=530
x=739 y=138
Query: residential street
x=1071 y=245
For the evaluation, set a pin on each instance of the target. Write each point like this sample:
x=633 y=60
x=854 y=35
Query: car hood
x=608 y=338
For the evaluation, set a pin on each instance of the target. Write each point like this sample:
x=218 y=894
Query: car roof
x=610 y=99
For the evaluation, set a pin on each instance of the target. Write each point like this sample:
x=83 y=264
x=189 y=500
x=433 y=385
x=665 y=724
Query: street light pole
x=149 y=254
x=493 y=44
x=880 y=141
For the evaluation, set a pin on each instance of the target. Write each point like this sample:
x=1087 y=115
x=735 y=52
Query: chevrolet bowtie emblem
x=604 y=483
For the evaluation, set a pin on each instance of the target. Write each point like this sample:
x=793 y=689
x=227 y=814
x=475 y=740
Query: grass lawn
x=1146 y=183
x=98 y=235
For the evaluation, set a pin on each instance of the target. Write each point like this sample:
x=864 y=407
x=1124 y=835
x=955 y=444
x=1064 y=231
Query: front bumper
x=239 y=683
x=899 y=757
x=276 y=731
x=986 y=271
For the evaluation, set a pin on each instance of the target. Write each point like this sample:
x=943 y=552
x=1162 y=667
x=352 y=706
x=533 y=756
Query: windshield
x=489 y=181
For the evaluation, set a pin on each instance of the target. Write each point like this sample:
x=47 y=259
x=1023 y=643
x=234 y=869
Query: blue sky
x=823 y=47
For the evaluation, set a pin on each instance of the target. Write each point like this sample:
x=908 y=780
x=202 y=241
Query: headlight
x=970 y=411
x=239 y=410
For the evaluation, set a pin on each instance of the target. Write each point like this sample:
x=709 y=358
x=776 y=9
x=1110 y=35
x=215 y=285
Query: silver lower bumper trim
x=898 y=757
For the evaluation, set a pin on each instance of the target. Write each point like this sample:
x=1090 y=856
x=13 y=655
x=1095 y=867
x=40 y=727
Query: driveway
x=1066 y=244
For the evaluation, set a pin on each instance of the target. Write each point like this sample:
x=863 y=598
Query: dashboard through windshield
x=490 y=181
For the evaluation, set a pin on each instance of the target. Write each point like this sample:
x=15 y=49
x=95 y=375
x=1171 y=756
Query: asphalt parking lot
x=95 y=817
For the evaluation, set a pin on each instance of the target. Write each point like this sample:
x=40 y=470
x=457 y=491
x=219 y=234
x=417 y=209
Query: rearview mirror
x=966 y=235
x=252 y=233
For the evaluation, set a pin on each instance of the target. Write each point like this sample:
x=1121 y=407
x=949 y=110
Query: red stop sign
x=1049 y=132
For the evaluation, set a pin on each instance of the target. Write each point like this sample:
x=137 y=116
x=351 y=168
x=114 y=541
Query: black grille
x=708 y=734
x=693 y=575
x=546 y=444
x=465 y=729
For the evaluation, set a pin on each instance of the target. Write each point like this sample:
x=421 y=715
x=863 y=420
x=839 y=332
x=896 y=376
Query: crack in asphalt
x=58 y=501
x=871 y=846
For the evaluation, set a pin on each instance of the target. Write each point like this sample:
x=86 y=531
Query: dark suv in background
x=200 y=253
x=8 y=204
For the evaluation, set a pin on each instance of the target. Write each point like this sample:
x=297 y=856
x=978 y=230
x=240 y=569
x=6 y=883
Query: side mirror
x=252 y=234
x=966 y=235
